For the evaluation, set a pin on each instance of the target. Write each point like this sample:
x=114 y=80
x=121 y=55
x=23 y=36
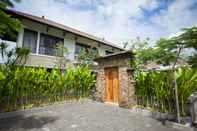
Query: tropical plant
x=17 y=56
x=9 y=27
x=189 y=40
x=24 y=87
x=62 y=53
x=86 y=57
x=154 y=89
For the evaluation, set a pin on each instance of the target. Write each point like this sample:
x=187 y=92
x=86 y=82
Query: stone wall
x=127 y=92
x=126 y=81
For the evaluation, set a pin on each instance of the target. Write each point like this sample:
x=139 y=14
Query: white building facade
x=42 y=37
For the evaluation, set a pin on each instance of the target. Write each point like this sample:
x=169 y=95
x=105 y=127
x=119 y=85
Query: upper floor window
x=30 y=40
x=95 y=50
x=79 y=47
x=49 y=45
x=108 y=52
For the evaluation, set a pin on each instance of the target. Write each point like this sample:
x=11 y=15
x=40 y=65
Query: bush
x=21 y=87
x=154 y=89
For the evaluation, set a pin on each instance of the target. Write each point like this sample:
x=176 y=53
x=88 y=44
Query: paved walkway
x=85 y=116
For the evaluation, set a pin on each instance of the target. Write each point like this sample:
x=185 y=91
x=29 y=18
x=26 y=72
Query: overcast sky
x=117 y=20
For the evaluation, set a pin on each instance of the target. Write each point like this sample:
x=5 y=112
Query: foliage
x=193 y=60
x=9 y=2
x=165 y=50
x=154 y=89
x=86 y=57
x=22 y=86
x=143 y=53
x=9 y=27
x=62 y=53
x=189 y=40
x=189 y=37
x=17 y=56
x=142 y=50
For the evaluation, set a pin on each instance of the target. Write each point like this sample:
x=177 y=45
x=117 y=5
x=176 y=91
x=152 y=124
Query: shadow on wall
x=21 y=122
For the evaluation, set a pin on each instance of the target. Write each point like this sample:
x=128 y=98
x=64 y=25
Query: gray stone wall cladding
x=126 y=81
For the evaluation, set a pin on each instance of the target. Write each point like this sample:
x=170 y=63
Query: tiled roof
x=118 y=54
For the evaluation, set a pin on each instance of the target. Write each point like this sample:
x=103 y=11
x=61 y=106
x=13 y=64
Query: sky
x=118 y=21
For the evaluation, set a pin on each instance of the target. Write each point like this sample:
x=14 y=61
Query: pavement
x=81 y=116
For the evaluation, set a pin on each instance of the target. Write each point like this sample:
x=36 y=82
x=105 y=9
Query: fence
x=24 y=102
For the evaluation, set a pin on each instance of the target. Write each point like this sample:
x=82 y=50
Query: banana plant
x=24 y=86
x=154 y=89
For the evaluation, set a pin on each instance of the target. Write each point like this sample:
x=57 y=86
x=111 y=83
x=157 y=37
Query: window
x=49 y=45
x=30 y=40
x=108 y=52
x=80 y=47
x=95 y=50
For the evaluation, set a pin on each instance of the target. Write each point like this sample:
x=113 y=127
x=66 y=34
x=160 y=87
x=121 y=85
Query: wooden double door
x=112 y=85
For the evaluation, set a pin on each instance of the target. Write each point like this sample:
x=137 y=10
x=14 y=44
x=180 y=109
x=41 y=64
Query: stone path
x=84 y=116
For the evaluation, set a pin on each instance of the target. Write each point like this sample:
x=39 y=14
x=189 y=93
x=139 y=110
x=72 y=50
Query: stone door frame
x=126 y=82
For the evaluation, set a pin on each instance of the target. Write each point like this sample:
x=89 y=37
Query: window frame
x=107 y=52
x=38 y=42
x=48 y=35
x=86 y=47
x=36 y=32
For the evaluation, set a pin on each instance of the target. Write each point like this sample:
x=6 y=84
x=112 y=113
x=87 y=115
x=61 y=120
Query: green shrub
x=154 y=89
x=21 y=87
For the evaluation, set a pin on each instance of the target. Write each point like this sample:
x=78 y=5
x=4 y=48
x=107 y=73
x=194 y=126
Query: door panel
x=115 y=87
x=112 y=85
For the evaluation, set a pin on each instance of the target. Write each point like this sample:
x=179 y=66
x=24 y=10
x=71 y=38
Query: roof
x=62 y=27
x=119 y=54
x=154 y=66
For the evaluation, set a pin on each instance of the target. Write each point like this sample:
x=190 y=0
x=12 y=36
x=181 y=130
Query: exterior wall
x=69 y=42
x=127 y=94
x=101 y=48
x=20 y=38
x=100 y=85
x=36 y=59
x=42 y=61
x=126 y=81
x=101 y=51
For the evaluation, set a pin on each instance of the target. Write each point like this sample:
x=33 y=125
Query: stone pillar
x=100 y=81
x=127 y=89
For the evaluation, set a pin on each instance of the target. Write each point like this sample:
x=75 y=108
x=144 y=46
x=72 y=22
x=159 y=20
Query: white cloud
x=178 y=16
x=116 y=20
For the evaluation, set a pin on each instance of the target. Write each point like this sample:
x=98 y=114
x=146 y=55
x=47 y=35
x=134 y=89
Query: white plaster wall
x=101 y=51
x=101 y=47
x=69 y=42
x=20 y=38
x=68 y=36
x=42 y=28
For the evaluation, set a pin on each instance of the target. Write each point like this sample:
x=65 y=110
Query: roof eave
x=22 y=15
